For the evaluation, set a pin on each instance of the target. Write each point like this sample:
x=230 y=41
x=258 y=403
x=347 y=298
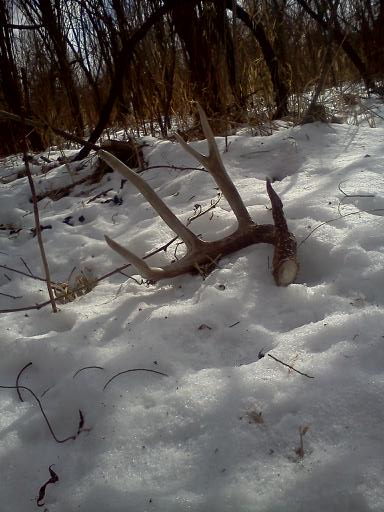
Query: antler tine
x=190 y=239
x=215 y=166
x=151 y=273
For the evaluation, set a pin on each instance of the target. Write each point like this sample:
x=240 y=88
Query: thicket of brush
x=83 y=65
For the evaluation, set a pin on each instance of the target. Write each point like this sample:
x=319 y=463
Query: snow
x=221 y=431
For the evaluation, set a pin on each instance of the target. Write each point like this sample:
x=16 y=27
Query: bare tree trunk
x=10 y=85
x=281 y=91
x=340 y=38
x=123 y=61
x=50 y=22
x=200 y=37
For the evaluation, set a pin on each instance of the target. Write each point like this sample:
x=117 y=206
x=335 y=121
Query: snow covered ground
x=225 y=430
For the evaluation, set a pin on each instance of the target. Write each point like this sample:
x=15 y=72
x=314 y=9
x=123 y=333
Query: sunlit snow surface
x=221 y=433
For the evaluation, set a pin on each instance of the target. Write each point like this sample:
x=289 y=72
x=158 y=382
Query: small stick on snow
x=38 y=278
x=173 y=167
x=300 y=450
x=26 y=266
x=353 y=195
x=18 y=378
x=87 y=368
x=338 y=218
x=261 y=355
x=11 y=296
x=46 y=417
x=133 y=370
x=100 y=194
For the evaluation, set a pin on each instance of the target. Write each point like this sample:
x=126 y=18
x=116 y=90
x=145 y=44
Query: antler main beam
x=199 y=252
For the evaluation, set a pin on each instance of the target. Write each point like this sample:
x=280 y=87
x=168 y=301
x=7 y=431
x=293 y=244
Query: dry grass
x=231 y=80
x=79 y=283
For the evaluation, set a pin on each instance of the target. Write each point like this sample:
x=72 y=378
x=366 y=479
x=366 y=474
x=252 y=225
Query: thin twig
x=133 y=278
x=38 y=278
x=289 y=366
x=26 y=266
x=46 y=391
x=37 y=223
x=354 y=195
x=173 y=167
x=349 y=196
x=39 y=123
x=103 y=193
x=43 y=413
x=214 y=203
x=17 y=380
x=133 y=370
x=40 y=238
x=87 y=368
x=262 y=354
x=29 y=308
x=11 y=296
x=338 y=218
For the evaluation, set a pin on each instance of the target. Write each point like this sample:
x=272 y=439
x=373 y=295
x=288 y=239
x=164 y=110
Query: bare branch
x=39 y=123
x=37 y=222
x=24 y=27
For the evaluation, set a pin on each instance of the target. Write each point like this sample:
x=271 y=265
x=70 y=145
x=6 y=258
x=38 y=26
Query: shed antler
x=200 y=252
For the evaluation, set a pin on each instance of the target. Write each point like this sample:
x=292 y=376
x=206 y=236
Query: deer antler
x=199 y=252
x=215 y=166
